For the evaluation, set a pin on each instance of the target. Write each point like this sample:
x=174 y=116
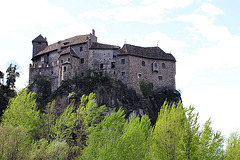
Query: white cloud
x=203 y=25
x=211 y=10
x=25 y=14
x=149 y=11
x=68 y=31
x=120 y=2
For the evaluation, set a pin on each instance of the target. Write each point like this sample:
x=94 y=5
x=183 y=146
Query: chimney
x=93 y=32
x=59 y=47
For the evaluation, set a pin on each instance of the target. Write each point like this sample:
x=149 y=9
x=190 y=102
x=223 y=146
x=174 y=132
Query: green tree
x=21 y=111
x=233 y=147
x=56 y=149
x=12 y=74
x=13 y=143
x=167 y=136
x=211 y=143
x=115 y=138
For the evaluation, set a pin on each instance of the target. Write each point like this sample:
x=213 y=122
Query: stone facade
x=78 y=55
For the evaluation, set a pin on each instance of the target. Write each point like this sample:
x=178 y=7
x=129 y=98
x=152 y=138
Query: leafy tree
x=21 y=111
x=168 y=133
x=191 y=134
x=115 y=138
x=12 y=74
x=211 y=143
x=57 y=149
x=13 y=143
x=233 y=147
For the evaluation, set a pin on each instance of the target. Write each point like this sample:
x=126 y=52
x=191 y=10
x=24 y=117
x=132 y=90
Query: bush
x=146 y=88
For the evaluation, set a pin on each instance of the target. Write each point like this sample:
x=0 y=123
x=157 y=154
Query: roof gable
x=146 y=52
x=70 y=51
x=96 y=45
x=65 y=43
x=39 y=39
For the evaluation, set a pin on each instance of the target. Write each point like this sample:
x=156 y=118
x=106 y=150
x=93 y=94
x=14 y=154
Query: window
x=82 y=60
x=143 y=63
x=66 y=43
x=82 y=74
x=139 y=75
x=114 y=55
x=64 y=69
x=155 y=67
x=123 y=74
x=81 y=49
x=113 y=65
x=69 y=59
x=163 y=65
x=39 y=43
x=42 y=59
x=52 y=72
x=61 y=61
x=160 y=78
x=101 y=66
x=122 y=61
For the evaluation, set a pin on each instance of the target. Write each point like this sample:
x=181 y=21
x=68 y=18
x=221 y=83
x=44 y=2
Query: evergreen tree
x=12 y=74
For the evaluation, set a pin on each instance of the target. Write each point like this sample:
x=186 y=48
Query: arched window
x=163 y=65
x=143 y=63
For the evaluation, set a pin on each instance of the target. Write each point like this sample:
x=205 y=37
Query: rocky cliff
x=113 y=94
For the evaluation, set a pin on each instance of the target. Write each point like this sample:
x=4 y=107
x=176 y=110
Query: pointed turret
x=39 y=43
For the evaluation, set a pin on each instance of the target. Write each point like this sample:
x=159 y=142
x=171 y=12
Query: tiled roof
x=69 y=50
x=39 y=39
x=96 y=45
x=67 y=42
x=146 y=52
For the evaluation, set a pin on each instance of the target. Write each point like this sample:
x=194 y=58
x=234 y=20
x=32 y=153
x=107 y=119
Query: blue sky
x=203 y=35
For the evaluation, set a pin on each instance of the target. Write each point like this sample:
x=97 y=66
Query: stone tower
x=39 y=43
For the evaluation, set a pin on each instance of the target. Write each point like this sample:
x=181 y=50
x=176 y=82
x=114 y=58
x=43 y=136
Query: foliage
x=13 y=143
x=168 y=133
x=113 y=138
x=12 y=74
x=233 y=147
x=145 y=87
x=176 y=135
x=21 y=111
x=55 y=150
x=211 y=143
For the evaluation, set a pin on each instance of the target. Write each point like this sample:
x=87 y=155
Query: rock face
x=113 y=94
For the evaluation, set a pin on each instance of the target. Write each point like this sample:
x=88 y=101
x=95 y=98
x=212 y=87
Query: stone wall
x=159 y=72
x=103 y=60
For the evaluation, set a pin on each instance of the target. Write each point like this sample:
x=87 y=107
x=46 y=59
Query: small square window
x=81 y=49
x=143 y=63
x=69 y=59
x=61 y=61
x=160 y=78
x=82 y=60
x=122 y=61
x=113 y=65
